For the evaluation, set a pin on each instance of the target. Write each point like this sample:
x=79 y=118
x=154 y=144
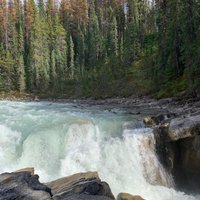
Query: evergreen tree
x=48 y=45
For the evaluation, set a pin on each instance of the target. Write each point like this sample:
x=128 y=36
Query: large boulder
x=126 y=196
x=180 y=128
x=22 y=186
x=80 y=186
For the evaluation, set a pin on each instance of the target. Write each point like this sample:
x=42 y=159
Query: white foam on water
x=60 y=141
x=9 y=142
x=128 y=164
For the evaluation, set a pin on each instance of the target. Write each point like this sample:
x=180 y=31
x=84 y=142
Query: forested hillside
x=100 y=47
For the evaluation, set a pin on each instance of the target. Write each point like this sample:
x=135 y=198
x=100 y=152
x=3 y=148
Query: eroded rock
x=180 y=128
x=22 y=186
x=28 y=169
x=80 y=184
x=178 y=147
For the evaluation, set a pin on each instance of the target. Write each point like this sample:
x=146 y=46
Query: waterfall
x=60 y=140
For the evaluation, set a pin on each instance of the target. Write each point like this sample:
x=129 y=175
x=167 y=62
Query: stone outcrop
x=178 y=146
x=87 y=185
x=126 y=196
x=180 y=128
x=23 y=186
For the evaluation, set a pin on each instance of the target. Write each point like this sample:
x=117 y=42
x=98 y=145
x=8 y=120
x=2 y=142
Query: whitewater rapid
x=62 y=139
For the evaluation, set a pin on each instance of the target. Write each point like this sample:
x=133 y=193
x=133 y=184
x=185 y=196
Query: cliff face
x=178 y=146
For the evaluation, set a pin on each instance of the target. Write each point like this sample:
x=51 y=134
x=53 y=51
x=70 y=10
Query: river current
x=62 y=139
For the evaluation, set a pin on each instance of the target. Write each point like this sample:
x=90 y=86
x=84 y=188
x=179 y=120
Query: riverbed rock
x=84 y=185
x=22 y=186
x=126 y=196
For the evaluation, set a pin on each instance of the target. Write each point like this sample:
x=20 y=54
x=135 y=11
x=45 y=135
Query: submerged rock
x=126 y=196
x=87 y=185
x=22 y=186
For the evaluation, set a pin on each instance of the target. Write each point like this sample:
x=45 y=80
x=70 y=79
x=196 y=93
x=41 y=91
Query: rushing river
x=62 y=139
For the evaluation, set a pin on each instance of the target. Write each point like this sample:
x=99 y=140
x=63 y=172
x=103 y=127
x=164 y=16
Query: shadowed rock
x=85 y=197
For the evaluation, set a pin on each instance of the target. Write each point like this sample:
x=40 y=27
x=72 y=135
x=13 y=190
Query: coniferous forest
x=100 y=47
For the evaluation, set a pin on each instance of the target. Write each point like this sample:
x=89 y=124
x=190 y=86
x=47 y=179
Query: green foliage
x=98 y=48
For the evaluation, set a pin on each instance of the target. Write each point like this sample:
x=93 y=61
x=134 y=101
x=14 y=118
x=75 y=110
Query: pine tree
x=21 y=86
x=80 y=52
x=46 y=45
x=93 y=36
x=59 y=55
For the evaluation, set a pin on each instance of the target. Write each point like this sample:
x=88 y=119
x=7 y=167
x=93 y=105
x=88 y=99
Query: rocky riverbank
x=24 y=185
